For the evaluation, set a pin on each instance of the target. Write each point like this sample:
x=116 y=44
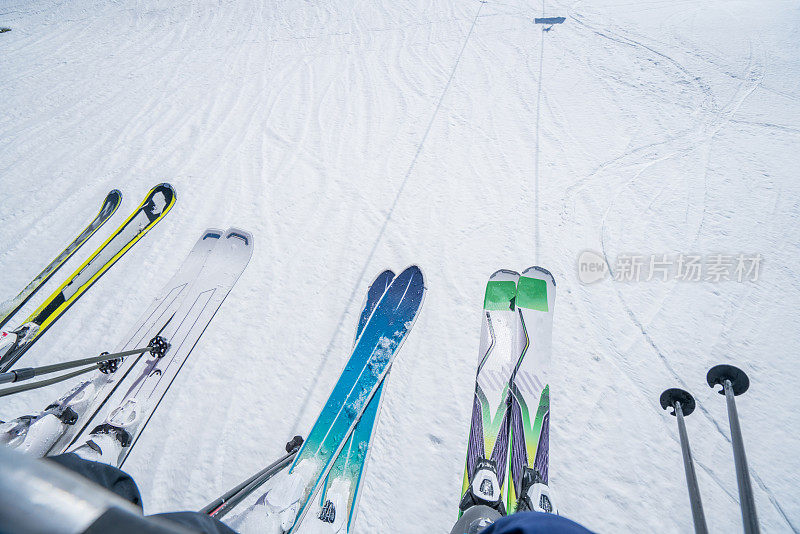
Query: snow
x=352 y=136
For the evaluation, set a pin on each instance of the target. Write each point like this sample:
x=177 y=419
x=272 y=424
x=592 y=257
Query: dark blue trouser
x=535 y=523
x=119 y=482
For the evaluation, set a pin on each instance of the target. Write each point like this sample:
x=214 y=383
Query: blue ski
x=372 y=356
x=339 y=494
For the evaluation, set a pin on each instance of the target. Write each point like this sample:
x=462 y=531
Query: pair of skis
x=325 y=474
x=507 y=454
x=154 y=207
x=102 y=417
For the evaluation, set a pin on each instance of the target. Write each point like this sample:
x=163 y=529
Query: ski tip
x=212 y=233
x=504 y=274
x=114 y=197
x=167 y=190
x=110 y=205
x=387 y=273
x=536 y=289
x=159 y=200
x=239 y=241
x=501 y=290
x=238 y=233
x=412 y=272
x=500 y=295
x=539 y=272
x=383 y=280
x=411 y=282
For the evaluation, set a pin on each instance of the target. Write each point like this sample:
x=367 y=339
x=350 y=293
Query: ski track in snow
x=352 y=136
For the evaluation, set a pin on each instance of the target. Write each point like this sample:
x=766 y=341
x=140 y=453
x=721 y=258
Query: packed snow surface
x=351 y=136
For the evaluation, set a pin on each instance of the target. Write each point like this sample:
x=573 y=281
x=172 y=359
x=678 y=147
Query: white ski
x=52 y=430
x=110 y=435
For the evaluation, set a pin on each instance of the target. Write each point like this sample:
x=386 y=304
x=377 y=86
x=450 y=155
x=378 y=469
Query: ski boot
x=11 y=340
x=8 y=340
x=12 y=433
x=36 y=435
x=282 y=501
x=484 y=489
x=482 y=504
x=108 y=441
x=475 y=519
x=331 y=517
x=536 y=495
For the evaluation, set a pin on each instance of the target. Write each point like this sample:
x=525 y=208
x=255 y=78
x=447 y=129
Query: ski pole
x=682 y=403
x=27 y=373
x=734 y=382
x=157 y=346
x=224 y=503
x=42 y=383
x=105 y=362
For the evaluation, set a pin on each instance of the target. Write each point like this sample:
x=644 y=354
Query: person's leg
x=121 y=483
x=113 y=479
x=535 y=523
x=121 y=522
x=197 y=522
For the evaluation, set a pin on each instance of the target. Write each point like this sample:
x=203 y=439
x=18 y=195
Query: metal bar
x=696 y=502
x=86 y=361
x=746 y=501
x=223 y=504
x=30 y=372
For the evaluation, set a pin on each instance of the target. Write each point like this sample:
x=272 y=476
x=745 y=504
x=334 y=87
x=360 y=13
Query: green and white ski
x=487 y=448
x=529 y=434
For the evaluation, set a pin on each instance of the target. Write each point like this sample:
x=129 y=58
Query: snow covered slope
x=349 y=136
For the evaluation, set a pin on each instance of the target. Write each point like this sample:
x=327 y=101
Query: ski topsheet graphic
x=53 y=430
x=11 y=306
x=489 y=427
x=337 y=498
x=111 y=434
x=530 y=392
x=156 y=204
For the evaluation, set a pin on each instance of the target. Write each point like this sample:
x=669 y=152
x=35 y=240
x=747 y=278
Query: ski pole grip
x=18 y=374
x=24 y=374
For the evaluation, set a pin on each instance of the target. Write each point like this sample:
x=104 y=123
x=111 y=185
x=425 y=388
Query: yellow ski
x=11 y=306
